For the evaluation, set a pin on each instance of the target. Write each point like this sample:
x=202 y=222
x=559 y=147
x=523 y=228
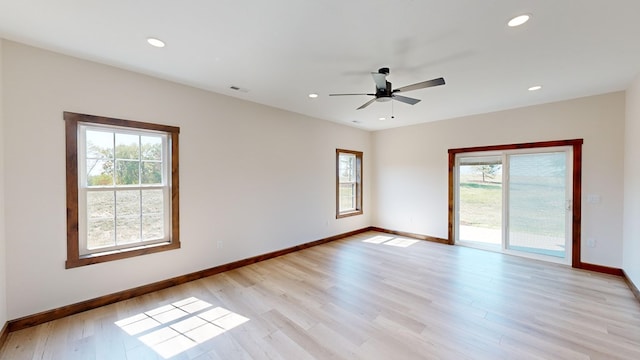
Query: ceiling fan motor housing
x=384 y=93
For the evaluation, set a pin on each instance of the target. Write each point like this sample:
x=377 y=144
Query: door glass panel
x=480 y=200
x=537 y=203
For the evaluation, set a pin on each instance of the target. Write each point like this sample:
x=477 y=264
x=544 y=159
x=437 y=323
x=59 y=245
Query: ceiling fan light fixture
x=519 y=20
x=313 y=95
x=155 y=42
x=384 y=92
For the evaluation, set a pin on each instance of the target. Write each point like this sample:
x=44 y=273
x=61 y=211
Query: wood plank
x=61 y=312
x=353 y=299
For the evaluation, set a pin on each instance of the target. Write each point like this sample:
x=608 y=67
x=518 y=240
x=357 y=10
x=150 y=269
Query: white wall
x=257 y=178
x=411 y=165
x=3 y=252
x=631 y=242
x=261 y=179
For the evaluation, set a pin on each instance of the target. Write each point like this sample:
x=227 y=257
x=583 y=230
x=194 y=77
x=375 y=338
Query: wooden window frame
x=74 y=259
x=359 y=170
x=576 y=145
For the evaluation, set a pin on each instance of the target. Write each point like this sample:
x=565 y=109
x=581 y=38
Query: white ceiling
x=282 y=50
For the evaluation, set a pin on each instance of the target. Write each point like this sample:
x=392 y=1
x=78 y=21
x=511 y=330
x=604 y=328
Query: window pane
x=151 y=173
x=480 y=200
x=99 y=172
x=152 y=214
x=127 y=172
x=127 y=146
x=100 y=233
x=151 y=147
x=152 y=202
x=128 y=203
x=127 y=230
x=537 y=207
x=347 y=197
x=99 y=144
x=127 y=216
x=347 y=167
x=152 y=227
x=100 y=204
x=100 y=215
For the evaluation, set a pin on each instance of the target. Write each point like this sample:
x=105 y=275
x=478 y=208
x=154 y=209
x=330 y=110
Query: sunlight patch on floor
x=172 y=329
x=399 y=242
x=390 y=241
x=378 y=239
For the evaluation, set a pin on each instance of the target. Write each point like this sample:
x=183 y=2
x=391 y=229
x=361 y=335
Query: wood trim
x=531 y=145
x=359 y=183
x=452 y=184
x=350 y=213
x=583 y=266
x=600 y=268
x=4 y=333
x=71 y=135
x=576 y=224
x=76 y=117
x=576 y=230
x=58 y=313
x=175 y=189
x=412 y=235
x=90 y=260
x=632 y=286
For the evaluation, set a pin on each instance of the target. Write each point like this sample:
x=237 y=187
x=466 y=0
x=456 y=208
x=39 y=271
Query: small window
x=122 y=189
x=348 y=183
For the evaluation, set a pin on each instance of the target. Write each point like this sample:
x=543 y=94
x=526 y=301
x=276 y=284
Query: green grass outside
x=481 y=206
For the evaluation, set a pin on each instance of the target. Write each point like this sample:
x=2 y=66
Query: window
x=348 y=183
x=122 y=189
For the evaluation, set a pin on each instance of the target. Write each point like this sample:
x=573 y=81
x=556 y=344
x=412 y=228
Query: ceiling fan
x=384 y=91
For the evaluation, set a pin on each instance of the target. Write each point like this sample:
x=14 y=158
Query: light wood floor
x=352 y=299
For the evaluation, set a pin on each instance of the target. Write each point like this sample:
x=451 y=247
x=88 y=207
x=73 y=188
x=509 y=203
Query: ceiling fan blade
x=350 y=94
x=406 y=100
x=366 y=104
x=380 y=80
x=421 y=85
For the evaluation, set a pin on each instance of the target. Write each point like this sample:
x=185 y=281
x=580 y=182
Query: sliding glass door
x=538 y=203
x=516 y=201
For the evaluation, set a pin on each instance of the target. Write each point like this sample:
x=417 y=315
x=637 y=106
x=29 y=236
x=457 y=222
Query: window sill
x=112 y=255
x=348 y=213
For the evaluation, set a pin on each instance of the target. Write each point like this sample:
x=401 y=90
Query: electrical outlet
x=220 y=244
x=591 y=242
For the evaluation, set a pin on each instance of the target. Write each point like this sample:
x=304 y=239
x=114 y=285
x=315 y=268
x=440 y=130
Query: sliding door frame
x=576 y=215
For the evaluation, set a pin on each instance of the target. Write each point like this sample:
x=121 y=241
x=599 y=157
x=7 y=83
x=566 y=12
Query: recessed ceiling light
x=155 y=42
x=535 y=88
x=313 y=95
x=519 y=20
x=382 y=118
